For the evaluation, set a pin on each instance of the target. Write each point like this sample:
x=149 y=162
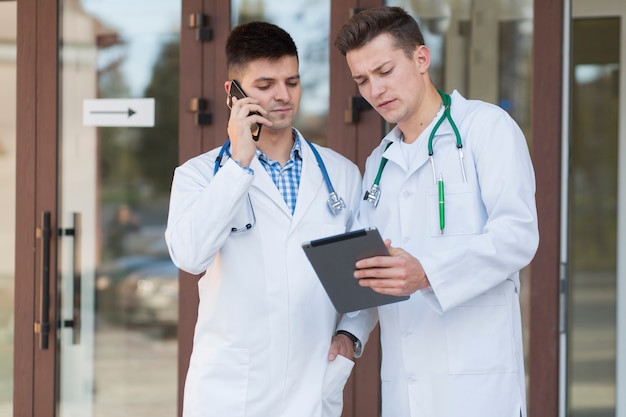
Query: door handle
x=42 y=327
x=75 y=233
x=198 y=107
x=356 y=104
x=200 y=22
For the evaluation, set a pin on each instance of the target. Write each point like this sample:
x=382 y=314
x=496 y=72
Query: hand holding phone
x=237 y=91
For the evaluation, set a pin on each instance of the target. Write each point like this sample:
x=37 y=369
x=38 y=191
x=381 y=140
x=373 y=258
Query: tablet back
x=333 y=259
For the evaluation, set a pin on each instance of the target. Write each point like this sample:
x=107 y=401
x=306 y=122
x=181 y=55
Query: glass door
x=118 y=146
x=597 y=197
x=8 y=72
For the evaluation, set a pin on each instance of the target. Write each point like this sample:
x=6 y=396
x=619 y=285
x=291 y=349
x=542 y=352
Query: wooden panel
x=202 y=74
x=37 y=61
x=189 y=145
x=356 y=141
x=24 y=340
x=46 y=187
x=546 y=154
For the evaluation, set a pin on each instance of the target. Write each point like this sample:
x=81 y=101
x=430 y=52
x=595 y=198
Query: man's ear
x=421 y=56
x=227 y=86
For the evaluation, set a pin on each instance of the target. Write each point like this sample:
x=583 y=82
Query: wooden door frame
x=362 y=397
x=202 y=73
x=548 y=48
x=36 y=181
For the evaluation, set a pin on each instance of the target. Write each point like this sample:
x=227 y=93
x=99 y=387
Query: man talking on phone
x=265 y=342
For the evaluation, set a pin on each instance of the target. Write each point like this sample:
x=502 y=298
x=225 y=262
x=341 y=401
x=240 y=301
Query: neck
x=276 y=145
x=428 y=109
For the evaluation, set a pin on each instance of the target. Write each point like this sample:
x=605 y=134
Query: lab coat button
x=407 y=194
x=411 y=379
x=406 y=334
x=406 y=239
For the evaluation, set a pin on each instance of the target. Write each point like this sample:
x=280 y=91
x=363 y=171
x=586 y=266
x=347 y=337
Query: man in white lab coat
x=262 y=342
x=460 y=218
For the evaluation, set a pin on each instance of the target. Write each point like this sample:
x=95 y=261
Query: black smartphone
x=237 y=91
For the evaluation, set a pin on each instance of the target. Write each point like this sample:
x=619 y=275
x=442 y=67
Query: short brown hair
x=257 y=40
x=368 y=24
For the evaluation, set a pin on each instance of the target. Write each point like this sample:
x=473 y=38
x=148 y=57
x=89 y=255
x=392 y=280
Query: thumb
x=334 y=350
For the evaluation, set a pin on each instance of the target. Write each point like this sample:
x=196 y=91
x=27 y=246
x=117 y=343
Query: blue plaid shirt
x=287 y=178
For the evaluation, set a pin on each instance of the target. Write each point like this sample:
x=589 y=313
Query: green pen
x=442 y=211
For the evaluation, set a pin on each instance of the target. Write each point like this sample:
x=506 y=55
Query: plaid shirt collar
x=296 y=150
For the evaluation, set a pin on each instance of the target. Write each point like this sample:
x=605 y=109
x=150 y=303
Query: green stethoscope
x=373 y=195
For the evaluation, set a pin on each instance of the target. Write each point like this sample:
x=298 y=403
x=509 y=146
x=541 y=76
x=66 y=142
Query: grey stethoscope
x=335 y=203
x=373 y=195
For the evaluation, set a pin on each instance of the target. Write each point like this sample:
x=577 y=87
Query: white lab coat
x=456 y=350
x=264 y=321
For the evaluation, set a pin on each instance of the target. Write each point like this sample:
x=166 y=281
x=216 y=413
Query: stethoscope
x=335 y=203
x=373 y=195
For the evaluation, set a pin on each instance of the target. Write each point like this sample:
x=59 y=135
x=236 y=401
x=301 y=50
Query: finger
x=374 y=262
x=335 y=348
x=386 y=287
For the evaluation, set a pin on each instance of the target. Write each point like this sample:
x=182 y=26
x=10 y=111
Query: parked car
x=139 y=290
x=149 y=294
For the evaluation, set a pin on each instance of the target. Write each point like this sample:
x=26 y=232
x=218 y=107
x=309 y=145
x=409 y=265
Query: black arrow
x=130 y=112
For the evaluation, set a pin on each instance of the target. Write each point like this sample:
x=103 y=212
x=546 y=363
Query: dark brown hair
x=370 y=23
x=257 y=40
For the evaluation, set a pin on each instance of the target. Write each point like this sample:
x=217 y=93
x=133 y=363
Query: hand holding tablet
x=333 y=259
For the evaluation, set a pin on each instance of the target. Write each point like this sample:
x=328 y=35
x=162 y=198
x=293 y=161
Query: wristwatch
x=358 y=347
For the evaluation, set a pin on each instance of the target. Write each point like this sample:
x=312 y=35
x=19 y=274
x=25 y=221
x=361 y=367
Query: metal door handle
x=42 y=327
x=75 y=233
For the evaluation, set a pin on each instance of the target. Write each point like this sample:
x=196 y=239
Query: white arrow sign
x=119 y=112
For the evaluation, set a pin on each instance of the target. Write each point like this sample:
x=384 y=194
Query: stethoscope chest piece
x=373 y=195
x=335 y=203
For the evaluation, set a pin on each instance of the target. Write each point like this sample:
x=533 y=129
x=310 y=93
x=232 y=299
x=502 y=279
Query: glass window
x=117 y=176
x=592 y=217
x=8 y=71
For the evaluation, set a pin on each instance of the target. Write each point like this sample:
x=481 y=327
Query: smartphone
x=237 y=91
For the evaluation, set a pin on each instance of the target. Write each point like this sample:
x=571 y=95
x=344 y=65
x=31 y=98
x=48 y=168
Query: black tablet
x=333 y=259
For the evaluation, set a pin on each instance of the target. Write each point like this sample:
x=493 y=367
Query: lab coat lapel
x=311 y=184
x=394 y=152
x=263 y=182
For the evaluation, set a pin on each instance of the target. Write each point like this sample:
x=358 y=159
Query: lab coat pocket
x=335 y=378
x=479 y=338
x=217 y=381
x=460 y=215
